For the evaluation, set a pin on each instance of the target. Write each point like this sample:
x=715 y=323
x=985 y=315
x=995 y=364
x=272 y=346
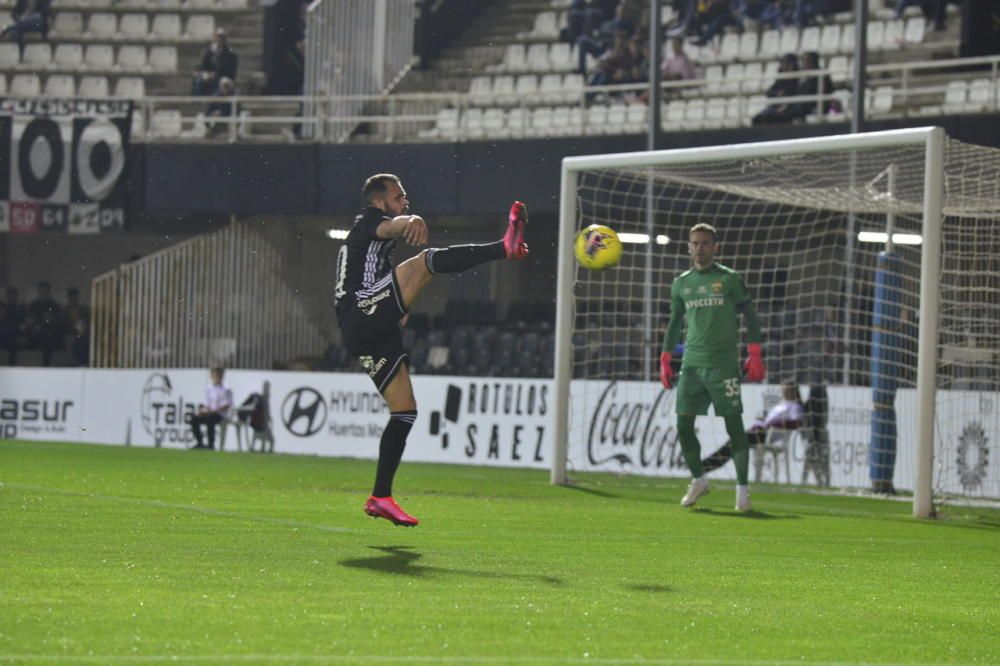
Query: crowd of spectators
x=615 y=33
x=45 y=325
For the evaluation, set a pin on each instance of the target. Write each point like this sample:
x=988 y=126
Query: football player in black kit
x=372 y=299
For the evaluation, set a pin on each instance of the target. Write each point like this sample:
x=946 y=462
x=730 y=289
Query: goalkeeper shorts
x=698 y=388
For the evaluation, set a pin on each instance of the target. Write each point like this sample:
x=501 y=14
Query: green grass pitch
x=114 y=555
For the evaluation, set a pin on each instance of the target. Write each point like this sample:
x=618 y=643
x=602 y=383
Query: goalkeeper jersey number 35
x=710 y=301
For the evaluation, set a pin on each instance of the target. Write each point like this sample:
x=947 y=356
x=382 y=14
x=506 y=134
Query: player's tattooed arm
x=411 y=228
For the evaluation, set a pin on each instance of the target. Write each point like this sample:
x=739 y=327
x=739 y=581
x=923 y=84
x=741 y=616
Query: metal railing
x=225 y=298
x=916 y=89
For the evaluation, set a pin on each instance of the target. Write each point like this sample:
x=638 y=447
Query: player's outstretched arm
x=411 y=228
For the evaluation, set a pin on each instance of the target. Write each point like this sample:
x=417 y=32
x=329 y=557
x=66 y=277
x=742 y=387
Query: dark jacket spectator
x=29 y=16
x=74 y=311
x=813 y=85
x=13 y=320
x=217 y=62
x=782 y=87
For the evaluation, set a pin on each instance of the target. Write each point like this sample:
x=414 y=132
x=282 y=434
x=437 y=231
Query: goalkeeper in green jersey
x=709 y=297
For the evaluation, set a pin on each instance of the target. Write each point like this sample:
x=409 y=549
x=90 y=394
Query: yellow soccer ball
x=598 y=247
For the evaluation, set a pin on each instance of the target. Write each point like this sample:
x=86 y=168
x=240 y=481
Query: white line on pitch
x=181 y=507
x=347 y=658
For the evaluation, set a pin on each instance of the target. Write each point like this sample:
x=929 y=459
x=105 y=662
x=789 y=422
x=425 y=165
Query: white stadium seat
x=753 y=73
x=102 y=25
x=3 y=83
x=541 y=121
x=955 y=96
x=980 y=96
x=166 y=123
x=93 y=86
x=770 y=44
x=893 y=38
x=734 y=112
x=572 y=86
x=517 y=121
x=789 y=41
x=876 y=36
x=538 y=57
x=131 y=87
x=503 y=86
x=881 y=100
x=713 y=79
x=635 y=117
x=68 y=24
x=546 y=25
x=9 y=54
x=493 y=122
x=551 y=88
x=201 y=26
x=138 y=124
x=514 y=58
x=25 y=85
x=167 y=26
x=694 y=114
x=730 y=48
x=597 y=118
x=132 y=58
x=99 y=56
x=472 y=123
x=68 y=56
x=96 y=4
x=527 y=84
x=481 y=88
x=233 y=4
x=617 y=115
x=847 y=39
x=731 y=82
x=37 y=55
x=916 y=27
x=829 y=39
x=810 y=39
x=562 y=58
x=715 y=113
x=134 y=26
x=163 y=58
x=748 y=46
x=60 y=85
x=201 y=4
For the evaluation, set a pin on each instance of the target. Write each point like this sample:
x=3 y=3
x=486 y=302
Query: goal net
x=830 y=237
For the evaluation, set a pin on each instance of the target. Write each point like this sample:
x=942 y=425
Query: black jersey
x=363 y=259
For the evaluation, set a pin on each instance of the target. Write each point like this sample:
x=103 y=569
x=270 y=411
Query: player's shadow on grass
x=403 y=560
x=653 y=588
x=749 y=515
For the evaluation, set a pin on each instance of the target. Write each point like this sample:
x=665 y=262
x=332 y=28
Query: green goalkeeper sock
x=741 y=448
x=690 y=448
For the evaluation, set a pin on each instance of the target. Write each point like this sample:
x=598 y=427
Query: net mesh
x=797 y=228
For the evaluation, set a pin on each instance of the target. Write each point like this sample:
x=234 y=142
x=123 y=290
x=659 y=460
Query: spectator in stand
x=80 y=344
x=12 y=325
x=29 y=16
x=616 y=65
x=218 y=402
x=74 y=310
x=581 y=19
x=814 y=84
x=768 y=13
x=782 y=87
x=712 y=18
x=934 y=10
x=217 y=62
x=677 y=66
x=599 y=43
x=44 y=304
x=806 y=11
x=49 y=335
x=223 y=108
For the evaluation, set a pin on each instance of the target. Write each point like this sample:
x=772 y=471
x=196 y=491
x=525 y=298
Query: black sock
x=390 y=450
x=458 y=258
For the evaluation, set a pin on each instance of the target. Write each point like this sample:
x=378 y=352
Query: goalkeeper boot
x=743 y=499
x=513 y=239
x=386 y=507
x=696 y=489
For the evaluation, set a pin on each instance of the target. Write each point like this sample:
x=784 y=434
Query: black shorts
x=370 y=326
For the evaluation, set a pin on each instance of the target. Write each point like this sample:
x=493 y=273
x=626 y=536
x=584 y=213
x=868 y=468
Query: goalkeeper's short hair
x=707 y=228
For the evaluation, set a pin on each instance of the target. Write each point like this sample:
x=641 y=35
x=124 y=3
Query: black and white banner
x=63 y=165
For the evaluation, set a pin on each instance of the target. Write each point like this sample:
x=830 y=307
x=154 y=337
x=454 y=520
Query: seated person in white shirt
x=787 y=414
x=218 y=401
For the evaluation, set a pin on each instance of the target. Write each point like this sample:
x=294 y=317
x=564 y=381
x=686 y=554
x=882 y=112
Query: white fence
x=225 y=298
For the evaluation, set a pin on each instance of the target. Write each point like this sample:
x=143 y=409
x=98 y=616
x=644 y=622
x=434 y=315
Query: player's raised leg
x=414 y=273
x=398 y=395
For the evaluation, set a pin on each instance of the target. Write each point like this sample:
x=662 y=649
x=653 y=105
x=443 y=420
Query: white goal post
x=798 y=210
